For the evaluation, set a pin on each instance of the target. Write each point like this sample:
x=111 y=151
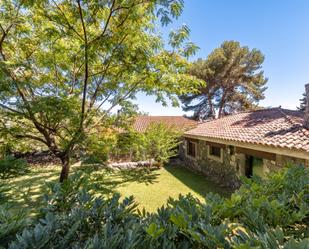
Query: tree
x=234 y=81
x=159 y=142
x=303 y=103
x=64 y=65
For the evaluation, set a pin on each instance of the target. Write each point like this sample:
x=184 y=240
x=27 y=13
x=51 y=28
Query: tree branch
x=12 y=110
x=30 y=137
x=86 y=66
x=93 y=98
x=106 y=24
x=123 y=98
x=67 y=21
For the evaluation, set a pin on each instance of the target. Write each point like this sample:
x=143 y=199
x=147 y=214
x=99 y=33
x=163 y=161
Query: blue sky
x=279 y=28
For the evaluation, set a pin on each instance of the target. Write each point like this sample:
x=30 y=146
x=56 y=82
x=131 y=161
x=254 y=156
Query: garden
x=151 y=187
x=70 y=73
x=94 y=209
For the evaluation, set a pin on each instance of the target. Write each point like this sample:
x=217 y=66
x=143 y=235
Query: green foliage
x=98 y=146
x=161 y=142
x=94 y=159
x=234 y=80
x=11 y=167
x=5 y=150
x=11 y=221
x=3 y=189
x=281 y=200
x=129 y=142
x=9 y=144
x=302 y=103
x=62 y=196
x=158 y=142
x=270 y=213
x=64 y=66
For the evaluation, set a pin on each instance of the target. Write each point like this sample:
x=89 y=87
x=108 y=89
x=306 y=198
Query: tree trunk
x=222 y=103
x=220 y=110
x=65 y=168
x=211 y=107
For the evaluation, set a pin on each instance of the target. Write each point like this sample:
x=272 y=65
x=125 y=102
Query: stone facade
x=222 y=170
x=227 y=168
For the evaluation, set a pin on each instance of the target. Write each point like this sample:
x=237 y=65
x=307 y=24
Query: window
x=215 y=151
x=231 y=150
x=191 y=148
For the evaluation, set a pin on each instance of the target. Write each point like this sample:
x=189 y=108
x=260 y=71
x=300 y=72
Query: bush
x=93 y=159
x=3 y=189
x=161 y=142
x=5 y=149
x=11 y=167
x=270 y=213
x=158 y=142
x=97 y=146
x=10 y=223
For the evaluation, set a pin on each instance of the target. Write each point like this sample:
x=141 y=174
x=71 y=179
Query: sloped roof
x=274 y=127
x=179 y=122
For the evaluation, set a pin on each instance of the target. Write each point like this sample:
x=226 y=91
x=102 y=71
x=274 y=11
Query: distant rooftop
x=274 y=127
x=179 y=122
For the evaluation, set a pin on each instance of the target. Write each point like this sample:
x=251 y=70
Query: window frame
x=212 y=156
x=187 y=149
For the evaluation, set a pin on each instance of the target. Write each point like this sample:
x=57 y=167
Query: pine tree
x=234 y=81
x=303 y=103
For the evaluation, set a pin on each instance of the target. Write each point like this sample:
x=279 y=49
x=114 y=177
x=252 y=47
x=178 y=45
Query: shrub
x=130 y=143
x=161 y=142
x=97 y=146
x=281 y=200
x=11 y=221
x=262 y=214
x=93 y=159
x=5 y=149
x=158 y=142
x=11 y=167
x=3 y=189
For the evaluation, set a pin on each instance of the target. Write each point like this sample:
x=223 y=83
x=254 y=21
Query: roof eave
x=292 y=152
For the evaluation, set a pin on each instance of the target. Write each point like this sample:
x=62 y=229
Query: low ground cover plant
x=263 y=213
x=11 y=167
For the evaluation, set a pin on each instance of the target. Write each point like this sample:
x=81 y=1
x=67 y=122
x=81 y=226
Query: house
x=248 y=143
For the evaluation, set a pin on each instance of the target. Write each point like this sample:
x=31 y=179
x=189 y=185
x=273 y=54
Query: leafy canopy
x=64 y=65
x=234 y=81
x=302 y=103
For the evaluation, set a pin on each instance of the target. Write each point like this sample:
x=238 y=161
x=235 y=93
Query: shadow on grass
x=27 y=191
x=198 y=183
x=106 y=180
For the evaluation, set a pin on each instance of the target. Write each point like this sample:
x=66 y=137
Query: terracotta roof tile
x=179 y=122
x=274 y=127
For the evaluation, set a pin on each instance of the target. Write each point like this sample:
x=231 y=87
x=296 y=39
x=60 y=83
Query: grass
x=150 y=187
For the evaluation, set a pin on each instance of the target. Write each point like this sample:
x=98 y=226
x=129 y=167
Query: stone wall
x=282 y=161
x=219 y=170
x=131 y=165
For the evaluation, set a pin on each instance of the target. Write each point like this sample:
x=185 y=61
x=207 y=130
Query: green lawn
x=151 y=187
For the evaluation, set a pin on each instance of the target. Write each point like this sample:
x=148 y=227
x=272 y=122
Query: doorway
x=254 y=166
x=249 y=166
